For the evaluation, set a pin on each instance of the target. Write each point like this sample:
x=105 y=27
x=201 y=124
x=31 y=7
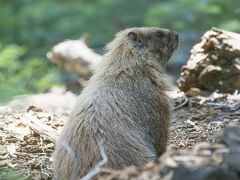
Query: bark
x=45 y=131
x=75 y=56
x=214 y=63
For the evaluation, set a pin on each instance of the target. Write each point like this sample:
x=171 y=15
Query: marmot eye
x=159 y=34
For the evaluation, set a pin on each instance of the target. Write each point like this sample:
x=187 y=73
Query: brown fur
x=124 y=106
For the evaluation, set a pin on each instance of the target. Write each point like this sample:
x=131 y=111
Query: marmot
x=124 y=107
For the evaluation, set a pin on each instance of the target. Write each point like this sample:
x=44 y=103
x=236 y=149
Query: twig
x=231 y=107
x=189 y=121
x=182 y=104
x=45 y=131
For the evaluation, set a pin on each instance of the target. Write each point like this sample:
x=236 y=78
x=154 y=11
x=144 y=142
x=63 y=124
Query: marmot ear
x=133 y=36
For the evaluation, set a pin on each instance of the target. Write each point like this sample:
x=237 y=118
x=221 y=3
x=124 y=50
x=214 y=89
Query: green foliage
x=29 y=28
x=18 y=76
x=188 y=15
x=39 y=24
x=13 y=175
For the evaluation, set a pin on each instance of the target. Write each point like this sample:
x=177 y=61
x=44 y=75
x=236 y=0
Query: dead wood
x=214 y=63
x=45 y=131
x=75 y=56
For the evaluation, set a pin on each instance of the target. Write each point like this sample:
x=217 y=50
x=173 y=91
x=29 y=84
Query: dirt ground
x=26 y=149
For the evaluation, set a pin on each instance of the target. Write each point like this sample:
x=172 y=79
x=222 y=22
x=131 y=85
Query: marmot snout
x=124 y=106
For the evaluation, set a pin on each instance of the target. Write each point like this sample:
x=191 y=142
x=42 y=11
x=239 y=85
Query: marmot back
x=123 y=110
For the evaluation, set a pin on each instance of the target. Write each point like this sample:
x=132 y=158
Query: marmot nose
x=176 y=37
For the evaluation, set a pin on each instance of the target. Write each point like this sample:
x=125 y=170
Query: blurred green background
x=29 y=28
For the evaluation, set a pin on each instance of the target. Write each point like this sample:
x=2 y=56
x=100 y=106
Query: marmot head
x=148 y=43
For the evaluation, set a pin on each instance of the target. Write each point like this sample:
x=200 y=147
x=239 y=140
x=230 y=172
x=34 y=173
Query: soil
x=27 y=151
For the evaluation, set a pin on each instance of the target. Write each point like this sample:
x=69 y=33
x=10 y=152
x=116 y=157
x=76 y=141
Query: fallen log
x=214 y=63
x=75 y=56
